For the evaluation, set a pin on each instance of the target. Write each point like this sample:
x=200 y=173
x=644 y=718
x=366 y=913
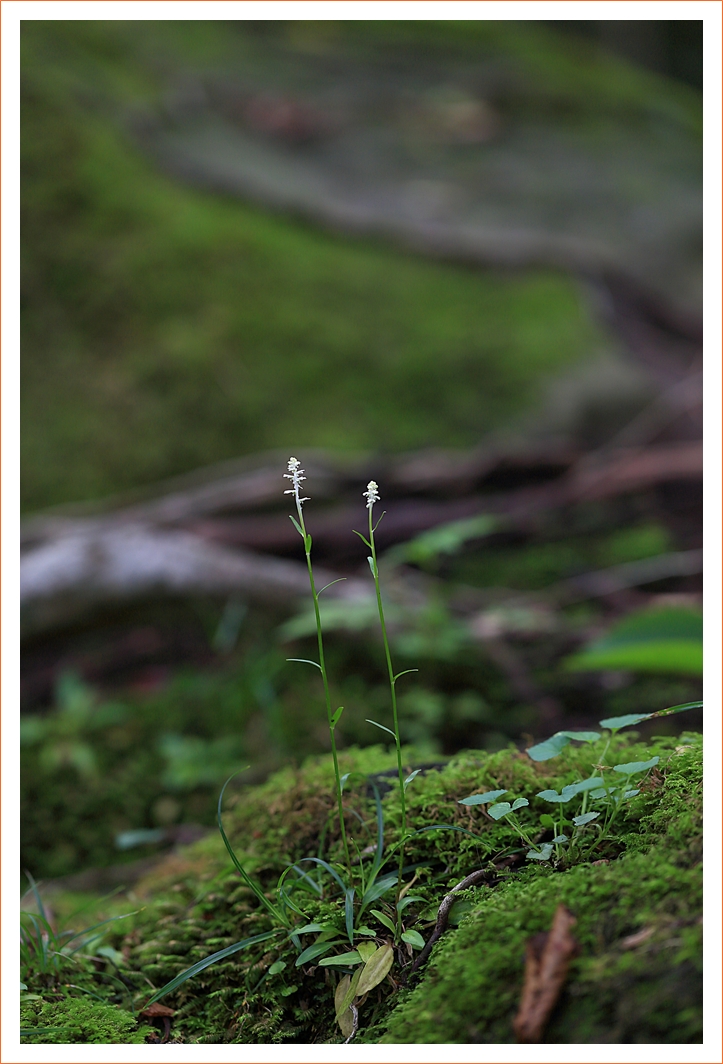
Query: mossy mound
x=638 y=913
x=78 y=1020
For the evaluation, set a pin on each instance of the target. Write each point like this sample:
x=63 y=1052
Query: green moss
x=615 y=994
x=78 y=1020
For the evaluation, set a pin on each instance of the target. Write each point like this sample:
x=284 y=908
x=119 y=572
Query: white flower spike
x=371 y=494
x=295 y=475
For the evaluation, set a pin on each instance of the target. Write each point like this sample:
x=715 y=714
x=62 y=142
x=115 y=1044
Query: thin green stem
x=325 y=679
x=395 y=718
x=514 y=823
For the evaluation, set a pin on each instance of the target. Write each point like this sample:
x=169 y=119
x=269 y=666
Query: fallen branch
x=195 y=541
x=66 y=578
x=482 y=875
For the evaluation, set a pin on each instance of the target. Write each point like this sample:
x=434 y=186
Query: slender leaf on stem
x=372 y=566
x=306 y=661
x=411 y=776
x=297 y=526
x=404 y=672
x=337 y=716
x=199 y=967
x=363 y=538
x=337 y=581
x=389 y=730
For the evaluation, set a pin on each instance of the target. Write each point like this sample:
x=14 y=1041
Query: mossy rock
x=77 y=1020
x=637 y=902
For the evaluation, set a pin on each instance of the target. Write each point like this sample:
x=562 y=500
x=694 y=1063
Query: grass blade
x=36 y=895
x=349 y=913
x=239 y=867
x=199 y=967
x=329 y=869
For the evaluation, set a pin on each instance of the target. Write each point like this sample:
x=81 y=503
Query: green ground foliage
x=165 y=328
x=621 y=988
x=94 y=767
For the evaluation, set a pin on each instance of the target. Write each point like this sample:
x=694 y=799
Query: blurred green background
x=165 y=328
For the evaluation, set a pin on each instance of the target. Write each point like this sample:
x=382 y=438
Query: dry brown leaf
x=547 y=961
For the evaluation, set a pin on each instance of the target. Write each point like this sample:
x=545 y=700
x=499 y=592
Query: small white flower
x=371 y=494
x=295 y=475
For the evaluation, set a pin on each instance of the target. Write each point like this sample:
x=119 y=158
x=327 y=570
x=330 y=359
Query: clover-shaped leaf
x=543 y=854
x=551 y=747
x=633 y=767
x=584 y=818
x=481 y=799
